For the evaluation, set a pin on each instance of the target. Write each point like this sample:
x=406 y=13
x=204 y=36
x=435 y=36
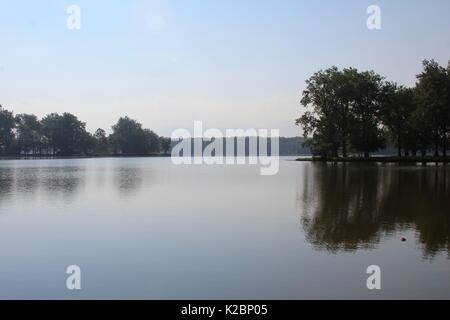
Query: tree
x=65 y=134
x=397 y=108
x=447 y=112
x=166 y=144
x=7 y=125
x=28 y=133
x=129 y=138
x=327 y=119
x=342 y=110
x=432 y=91
x=152 y=141
x=101 y=144
x=86 y=144
x=364 y=96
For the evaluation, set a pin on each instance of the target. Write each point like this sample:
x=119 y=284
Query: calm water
x=144 y=228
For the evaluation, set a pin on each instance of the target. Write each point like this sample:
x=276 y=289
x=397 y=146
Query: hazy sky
x=229 y=63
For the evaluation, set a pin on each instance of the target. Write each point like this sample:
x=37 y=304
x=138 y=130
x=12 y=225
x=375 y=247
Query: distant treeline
x=359 y=113
x=288 y=146
x=65 y=135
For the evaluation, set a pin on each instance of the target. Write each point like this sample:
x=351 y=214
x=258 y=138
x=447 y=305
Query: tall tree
x=101 y=145
x=432 y=97
x=28 y=133
x=447 y=112
x=397 y=107
x=365 y=97
x=166 y=144
x=129 y=138
x=7 y=125
x=328 y=119
x=65 y=133
x=152 y=141
x=342 y=109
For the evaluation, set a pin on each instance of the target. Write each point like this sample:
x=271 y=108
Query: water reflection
x=25 y=182
x=63 y=181
x=352 y=206
x=128 y=179
x=6 y=183
x=66 y=180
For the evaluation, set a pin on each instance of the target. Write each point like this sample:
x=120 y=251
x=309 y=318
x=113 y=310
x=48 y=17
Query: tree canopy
x=358 y=112
x=65 y=135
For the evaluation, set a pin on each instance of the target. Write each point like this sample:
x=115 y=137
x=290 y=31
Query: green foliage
x=432 y=95
x=129 y=138
x=166 y=144
x=358 y=111
x=28 y=133
x=101 y=142
x=66 y=135
x=7 y=125
x=397 y=114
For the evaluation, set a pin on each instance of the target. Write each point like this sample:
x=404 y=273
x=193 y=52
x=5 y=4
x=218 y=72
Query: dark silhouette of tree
x=152 y=141
x=65 y=134
x=327 y=126
x=365 y=98
x=166 y=144
x=7 y=125
x=101 y=143
x=397 y=109
x=87 y=143
x=432 y=97
x=28 y=133
x=358 y=111
x=345 y=106
x=129 y=138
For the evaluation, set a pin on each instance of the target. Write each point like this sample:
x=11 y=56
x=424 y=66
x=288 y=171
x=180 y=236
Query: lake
x=145 y=228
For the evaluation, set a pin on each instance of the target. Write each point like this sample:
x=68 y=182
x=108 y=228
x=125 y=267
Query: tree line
x=65 y=135
x=353 y=113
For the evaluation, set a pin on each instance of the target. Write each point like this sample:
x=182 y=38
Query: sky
x=229 y=63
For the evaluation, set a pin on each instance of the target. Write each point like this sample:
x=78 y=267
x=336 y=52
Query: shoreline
x=375 y=159
x=82 y=157
x=380 y=159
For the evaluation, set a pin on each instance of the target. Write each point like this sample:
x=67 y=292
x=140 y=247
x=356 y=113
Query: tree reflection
x=128 y=180
x=26 y=182
x=353 y=206
x=6 y=183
